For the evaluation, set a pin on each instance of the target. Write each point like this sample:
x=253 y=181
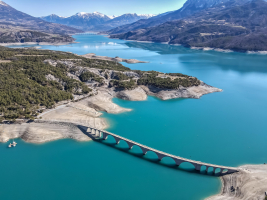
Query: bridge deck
x=167 y=154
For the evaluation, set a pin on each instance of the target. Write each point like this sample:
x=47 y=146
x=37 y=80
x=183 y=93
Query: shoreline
x=199 y=48
x=249 y=183
x=116 y=59
x=86 y=112
x=38 y=44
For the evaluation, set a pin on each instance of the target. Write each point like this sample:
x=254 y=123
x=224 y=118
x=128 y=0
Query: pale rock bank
x=41 y=132
x=137 y=94
x=192 y=92
x=116 y=59
x=250 y=183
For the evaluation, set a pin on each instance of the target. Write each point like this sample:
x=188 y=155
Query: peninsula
x=59 y=88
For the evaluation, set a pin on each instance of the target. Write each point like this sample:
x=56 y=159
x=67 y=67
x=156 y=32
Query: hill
x=189 y=8
x=32 y=80
x=226 y=26
x=16 y=26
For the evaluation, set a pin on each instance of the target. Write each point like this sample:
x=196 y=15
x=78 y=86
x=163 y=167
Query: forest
x=28 y=85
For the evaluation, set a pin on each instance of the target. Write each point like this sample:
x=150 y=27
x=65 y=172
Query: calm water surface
x=227 y=128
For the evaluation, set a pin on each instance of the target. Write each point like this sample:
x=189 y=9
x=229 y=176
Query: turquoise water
x=227 y=128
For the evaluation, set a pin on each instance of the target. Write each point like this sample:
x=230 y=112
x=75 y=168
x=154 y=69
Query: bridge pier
x=197 y=166
x=130 y=145
x=105 y=136
x=117 y=140
x=144 y=150
x=160 y=156
x=178 y=162
x=99 y=134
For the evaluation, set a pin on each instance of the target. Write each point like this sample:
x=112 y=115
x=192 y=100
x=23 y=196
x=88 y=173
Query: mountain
x=17 y=26
x=95 y=21
x=229 y=25
x=53 y=18
x=10 y=17
x=121 y=20
x=189 y=8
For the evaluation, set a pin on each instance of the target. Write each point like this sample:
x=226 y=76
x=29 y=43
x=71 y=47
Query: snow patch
x=146 y=15
x=87 y=15
x=112 y=16
x=3 y=3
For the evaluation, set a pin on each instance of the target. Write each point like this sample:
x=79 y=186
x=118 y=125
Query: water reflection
x=240 y=62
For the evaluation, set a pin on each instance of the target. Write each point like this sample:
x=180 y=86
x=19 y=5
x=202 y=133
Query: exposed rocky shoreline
x=250 y=183
x=86 y=113
x=104 y=84
x=116 y=59
x=36 y=43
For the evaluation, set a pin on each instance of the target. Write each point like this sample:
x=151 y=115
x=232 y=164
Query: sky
x=38 y=8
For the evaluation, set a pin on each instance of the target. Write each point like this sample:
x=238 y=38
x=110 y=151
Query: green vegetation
x=178 y=74
x=100 y=64
x=24 y=87
x=139 y=72
x=120 y=76
x=152 y=79
x=28 y=84
x=123 y=84
x=89 y=76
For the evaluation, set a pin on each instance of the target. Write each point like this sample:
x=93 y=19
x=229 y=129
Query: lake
x=227 y=128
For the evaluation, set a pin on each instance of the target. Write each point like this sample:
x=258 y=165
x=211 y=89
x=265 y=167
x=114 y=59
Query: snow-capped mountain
x=112 y=16
x=53 y=18
x=3 y=3
x=85 y=15
x=121 y=20
x=146 y=15
x=96 y=21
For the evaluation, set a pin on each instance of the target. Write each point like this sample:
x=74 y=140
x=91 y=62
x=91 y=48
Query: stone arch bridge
x=101 y=134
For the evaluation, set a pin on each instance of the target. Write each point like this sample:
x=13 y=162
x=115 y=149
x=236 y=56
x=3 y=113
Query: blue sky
x=39 y=8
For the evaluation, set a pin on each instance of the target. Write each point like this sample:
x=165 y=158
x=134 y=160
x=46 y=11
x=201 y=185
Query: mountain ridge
x=95 y=21
x=228 y=26
x=189 y=8
x=17 y=26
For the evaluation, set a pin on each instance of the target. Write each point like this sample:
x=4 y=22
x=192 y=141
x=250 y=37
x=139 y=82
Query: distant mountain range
x=17 y=26
x=226 y=24
x=189 y=8
x=95 y=21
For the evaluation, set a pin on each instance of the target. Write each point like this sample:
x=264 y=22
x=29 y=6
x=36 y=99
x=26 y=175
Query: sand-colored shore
x=61 y=122
x=85 y=112
x=116 y=59
x=250 y=183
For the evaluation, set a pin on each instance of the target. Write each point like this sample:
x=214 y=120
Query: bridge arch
x=168 y=160
x=136 y=148
x=203 y=168
x=187 y=166
x=198 y=165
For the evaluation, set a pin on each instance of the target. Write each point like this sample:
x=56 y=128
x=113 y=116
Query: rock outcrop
x=137 y=94
x=42 y=132
x=192 y=92
x=248 y=184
